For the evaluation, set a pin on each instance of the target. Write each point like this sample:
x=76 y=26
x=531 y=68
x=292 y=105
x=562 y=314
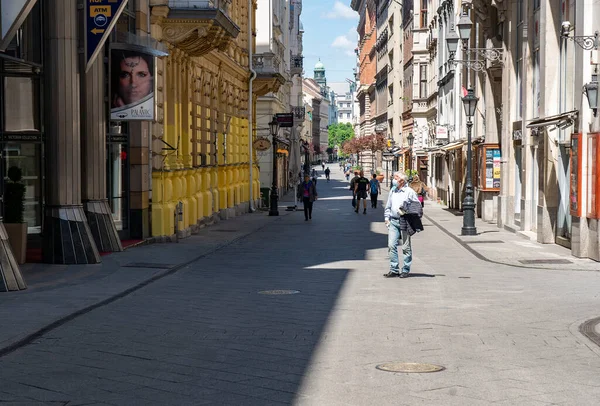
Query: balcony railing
x=266 y=63
x=198 y=4
x=297 y=65
x=299 y=112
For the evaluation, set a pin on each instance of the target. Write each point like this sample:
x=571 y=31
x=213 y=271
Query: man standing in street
x=360 y=190
x=327 y=172
x=403 y=213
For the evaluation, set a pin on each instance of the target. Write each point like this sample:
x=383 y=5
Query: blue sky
x=329 y=33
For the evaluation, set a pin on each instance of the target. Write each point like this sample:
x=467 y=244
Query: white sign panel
x=441 y=133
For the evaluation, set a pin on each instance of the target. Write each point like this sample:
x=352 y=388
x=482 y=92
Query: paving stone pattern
x=204 y=335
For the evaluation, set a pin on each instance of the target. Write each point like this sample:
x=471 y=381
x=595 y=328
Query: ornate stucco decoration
x=197 y=31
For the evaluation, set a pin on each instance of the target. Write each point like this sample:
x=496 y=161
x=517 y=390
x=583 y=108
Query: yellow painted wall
x=199 y=96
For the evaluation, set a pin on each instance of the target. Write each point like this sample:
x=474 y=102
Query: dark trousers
x=374 y=199
x=307 y=207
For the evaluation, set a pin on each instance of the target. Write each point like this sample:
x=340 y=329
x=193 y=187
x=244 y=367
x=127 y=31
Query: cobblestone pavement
x=206 y=335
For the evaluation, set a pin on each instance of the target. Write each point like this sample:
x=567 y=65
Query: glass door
x=117 y=168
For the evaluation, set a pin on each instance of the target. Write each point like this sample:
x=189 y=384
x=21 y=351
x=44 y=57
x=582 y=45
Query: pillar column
x=67 y=235
x=93 y=153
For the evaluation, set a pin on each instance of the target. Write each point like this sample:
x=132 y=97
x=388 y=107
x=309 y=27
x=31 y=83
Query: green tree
x=340 y=133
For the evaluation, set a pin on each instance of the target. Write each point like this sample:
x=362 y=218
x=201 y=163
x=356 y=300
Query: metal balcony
x=268 y=73
x=299 y=112
x=297 y=65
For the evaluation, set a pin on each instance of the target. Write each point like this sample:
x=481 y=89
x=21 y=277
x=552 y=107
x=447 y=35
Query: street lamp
x=452 y=43
x=273 y=209
x=470 y=105
x=591 y=91
x=410 y=140
x=464 y=27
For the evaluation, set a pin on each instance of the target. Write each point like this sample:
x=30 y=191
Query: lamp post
x=273 y=209
x=410 y=140
x=470 y=104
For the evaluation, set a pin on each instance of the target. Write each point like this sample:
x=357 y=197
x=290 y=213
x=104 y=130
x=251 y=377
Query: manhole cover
x=410 y=367
x=278 y=292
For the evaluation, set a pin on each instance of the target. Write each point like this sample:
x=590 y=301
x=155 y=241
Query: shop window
x=27 y=157
x=575 y=178
x=488 y=164
x=592 y=176
x=21 y=113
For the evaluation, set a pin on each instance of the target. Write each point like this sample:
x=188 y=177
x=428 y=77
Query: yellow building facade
x=201 y=141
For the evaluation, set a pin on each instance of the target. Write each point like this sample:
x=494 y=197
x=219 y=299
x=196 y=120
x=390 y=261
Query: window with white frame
x=423 y=81
x=519 y=56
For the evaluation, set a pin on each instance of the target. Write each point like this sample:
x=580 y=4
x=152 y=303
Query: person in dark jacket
x=307 y=191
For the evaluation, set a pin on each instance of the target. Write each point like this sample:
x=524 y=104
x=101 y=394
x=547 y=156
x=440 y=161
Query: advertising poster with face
x=132 y=85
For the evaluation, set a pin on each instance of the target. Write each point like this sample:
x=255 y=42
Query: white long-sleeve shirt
x=404 y=198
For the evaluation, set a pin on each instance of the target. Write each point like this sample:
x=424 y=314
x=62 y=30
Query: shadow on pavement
x=205 y=335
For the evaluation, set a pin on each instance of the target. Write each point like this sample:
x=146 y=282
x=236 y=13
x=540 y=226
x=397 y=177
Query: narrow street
x=207 y=335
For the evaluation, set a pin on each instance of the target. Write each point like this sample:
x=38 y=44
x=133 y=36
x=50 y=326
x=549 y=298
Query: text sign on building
x=101 y=16
x=285 y=119
x=441 y=133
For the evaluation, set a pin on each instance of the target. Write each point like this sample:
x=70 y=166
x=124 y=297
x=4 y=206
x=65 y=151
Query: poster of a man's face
x=132 y=87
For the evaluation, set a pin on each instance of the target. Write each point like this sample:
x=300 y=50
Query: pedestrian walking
x=360 y=190
x=420 y=189
x=327 y=172
x=375 y=190
x=307 y=190
x=402 y=215
x=323 y=165
x=352 y=187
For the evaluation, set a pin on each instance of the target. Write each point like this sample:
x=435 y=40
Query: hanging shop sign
x=132 y=84
x=262 y=144
x=285 y=119
x=100 y=18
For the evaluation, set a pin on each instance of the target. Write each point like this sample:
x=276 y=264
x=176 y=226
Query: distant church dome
x=319 y=66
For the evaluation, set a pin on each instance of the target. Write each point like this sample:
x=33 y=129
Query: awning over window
x=453 y=145
x=401 y=151
x=557 y=119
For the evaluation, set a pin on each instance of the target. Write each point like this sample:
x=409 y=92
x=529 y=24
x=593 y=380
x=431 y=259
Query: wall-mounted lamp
x=591 y=91
x=587 y=42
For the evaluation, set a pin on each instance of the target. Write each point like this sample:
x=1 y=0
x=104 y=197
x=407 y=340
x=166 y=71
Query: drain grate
x=588 y=329
x=153 y=265
x=278 y=292
x=485 y=242
x=225 y=231
x=464 y=277
x=409 y=367
x=545 y=261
